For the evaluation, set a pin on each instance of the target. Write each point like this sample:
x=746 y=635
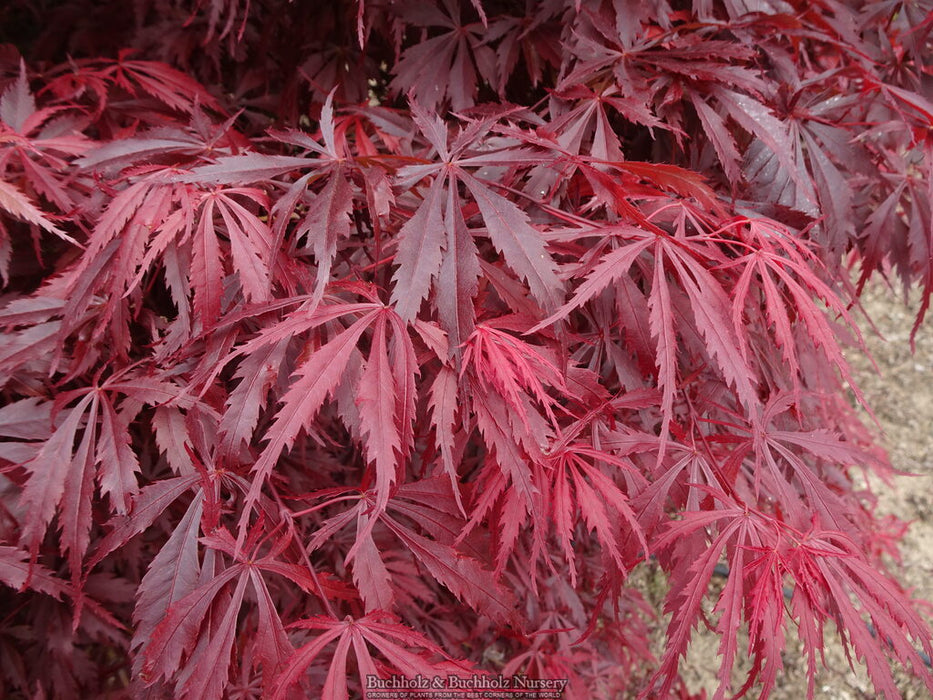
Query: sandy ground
x=902 y=398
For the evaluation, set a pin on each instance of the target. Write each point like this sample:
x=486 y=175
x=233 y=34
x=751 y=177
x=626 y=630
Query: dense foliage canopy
x=384 y=337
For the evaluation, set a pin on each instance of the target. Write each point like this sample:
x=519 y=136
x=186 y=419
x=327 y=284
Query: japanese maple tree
x=343 y=340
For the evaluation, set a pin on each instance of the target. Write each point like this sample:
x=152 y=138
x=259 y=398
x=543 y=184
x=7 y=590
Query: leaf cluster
x=351 y=339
